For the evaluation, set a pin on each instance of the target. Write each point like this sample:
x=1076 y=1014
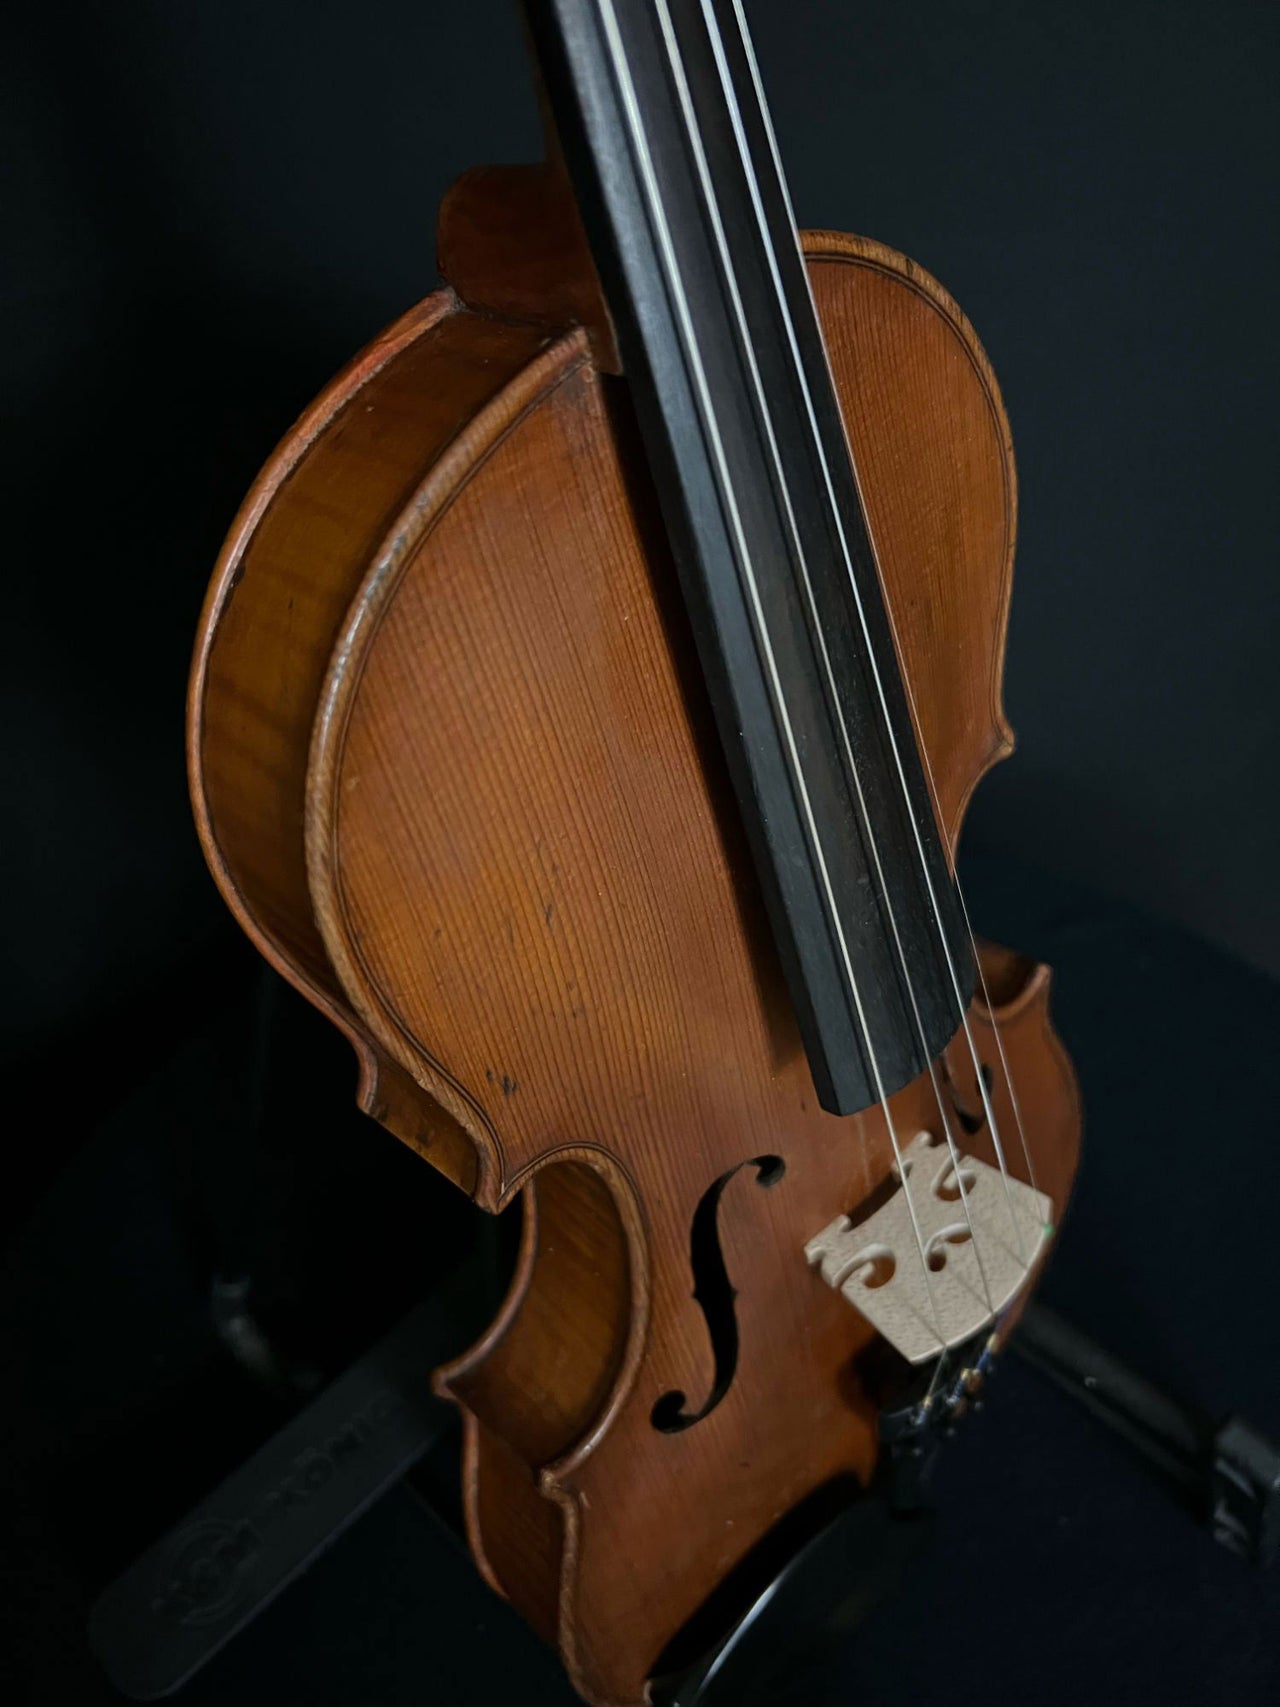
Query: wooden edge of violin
x=227 y=574
x=1029 y=996
x=263 y=648
x=444 y=478
x=822 y=245
x=484 y=1381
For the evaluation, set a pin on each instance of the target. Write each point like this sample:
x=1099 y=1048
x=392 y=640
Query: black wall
x=211 y=207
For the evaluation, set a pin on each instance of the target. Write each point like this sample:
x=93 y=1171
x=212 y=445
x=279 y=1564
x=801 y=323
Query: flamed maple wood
x=455 y=774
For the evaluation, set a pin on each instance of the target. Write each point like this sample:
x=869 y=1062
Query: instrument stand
x=1227 y=1472
x=227 y=1560
x=216 y=1570
x=379 y=1425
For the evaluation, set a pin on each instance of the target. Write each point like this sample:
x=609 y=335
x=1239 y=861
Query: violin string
x=642 y=157
x=684 y=95
x=977 y=958
x=748 y=166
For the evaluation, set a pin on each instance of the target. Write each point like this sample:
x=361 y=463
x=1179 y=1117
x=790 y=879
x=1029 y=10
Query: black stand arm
x=1228 y=1473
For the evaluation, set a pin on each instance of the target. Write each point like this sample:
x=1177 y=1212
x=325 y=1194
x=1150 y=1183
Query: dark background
x=210 y=208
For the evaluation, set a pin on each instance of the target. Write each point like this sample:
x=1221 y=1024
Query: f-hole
x=714 y=1292
x=972 y=1120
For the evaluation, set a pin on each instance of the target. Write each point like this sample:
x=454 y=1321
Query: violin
x=583 y=717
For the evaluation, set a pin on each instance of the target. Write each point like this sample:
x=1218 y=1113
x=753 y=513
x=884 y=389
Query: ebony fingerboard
x=667 y=139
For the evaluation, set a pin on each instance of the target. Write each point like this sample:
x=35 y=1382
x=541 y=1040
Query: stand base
x=223 y=1565
x=1229 y=1473
x=211 y=1576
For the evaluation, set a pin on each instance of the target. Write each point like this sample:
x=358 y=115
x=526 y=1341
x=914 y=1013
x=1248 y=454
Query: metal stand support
x=1228 y=1473
x=228 y=1559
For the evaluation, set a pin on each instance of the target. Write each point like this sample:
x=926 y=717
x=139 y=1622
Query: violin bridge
x=972 y=1255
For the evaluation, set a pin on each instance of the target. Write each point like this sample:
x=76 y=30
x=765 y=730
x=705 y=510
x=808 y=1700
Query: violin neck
x=667 y=138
